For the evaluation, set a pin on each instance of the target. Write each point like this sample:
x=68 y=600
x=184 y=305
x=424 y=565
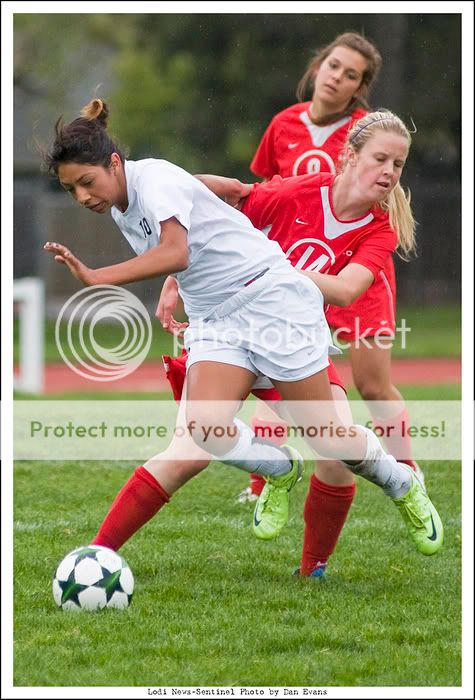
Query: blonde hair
x=96 y=109
x=398 y=202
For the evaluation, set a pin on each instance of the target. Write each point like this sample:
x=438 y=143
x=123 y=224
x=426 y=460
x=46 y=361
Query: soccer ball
x=92 y=578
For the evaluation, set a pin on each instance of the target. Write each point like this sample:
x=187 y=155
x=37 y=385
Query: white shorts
x=275 y=327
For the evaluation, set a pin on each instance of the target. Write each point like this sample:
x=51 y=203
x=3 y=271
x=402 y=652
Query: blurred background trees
x=199 y=90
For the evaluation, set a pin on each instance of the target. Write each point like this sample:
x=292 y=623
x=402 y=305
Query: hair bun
x=96 y=109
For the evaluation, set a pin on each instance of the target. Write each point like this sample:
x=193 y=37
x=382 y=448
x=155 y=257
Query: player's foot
x=317 y=572
x=272 y=508
x=246 y=496
x=421 y=518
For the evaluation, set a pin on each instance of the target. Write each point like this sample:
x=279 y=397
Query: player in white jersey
x=223 y=252
x=234 y=283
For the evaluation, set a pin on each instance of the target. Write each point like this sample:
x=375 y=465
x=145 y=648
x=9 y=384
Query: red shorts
x=373 y=313
x=175 y=368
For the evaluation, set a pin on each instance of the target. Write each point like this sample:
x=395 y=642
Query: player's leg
x=182 y=459
x=362 y=453
x=215 y=391
x=151 y=485
x=176 y=371
x=267 y=424
x=371 y=366
x=330 y=495
x=271 y=511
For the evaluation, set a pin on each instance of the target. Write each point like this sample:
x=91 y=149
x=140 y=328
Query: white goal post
x=29 y=296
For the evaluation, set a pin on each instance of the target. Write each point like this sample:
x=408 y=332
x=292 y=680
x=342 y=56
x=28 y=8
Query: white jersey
x=225 y=250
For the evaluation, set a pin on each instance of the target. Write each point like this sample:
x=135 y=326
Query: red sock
x=325 y=512
x=394 y=432
x=272 y=431
x=138 y=501
x=257 y=483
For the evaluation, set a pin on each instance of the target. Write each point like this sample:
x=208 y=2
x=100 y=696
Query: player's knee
x=372 y=388
x=187 y=453
x=205 y=426
x=183 y=450
x=333 y=472
x=329 y=448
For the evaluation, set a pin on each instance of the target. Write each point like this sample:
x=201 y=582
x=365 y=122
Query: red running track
x=150 y=376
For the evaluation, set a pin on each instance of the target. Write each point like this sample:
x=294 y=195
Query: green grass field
x=215 y=607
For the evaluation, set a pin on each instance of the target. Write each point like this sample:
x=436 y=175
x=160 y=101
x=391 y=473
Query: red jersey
x=293 y=145
x=298 y=213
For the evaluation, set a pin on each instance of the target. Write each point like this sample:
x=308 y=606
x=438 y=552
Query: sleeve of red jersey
x=263 y=164
x=375 y=249
x=259 y=204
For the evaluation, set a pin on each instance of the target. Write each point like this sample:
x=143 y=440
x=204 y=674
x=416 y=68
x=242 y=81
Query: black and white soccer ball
x=92 y=578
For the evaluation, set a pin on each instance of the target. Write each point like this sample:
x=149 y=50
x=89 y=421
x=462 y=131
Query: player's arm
x=170 y=255
x=232 y=190
x=344 y=288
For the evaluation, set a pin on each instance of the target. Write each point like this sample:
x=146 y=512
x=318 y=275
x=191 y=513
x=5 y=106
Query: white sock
x=254 y=455
x=382 y=469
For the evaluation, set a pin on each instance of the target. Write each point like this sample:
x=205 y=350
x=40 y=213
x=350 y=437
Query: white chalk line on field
x=367 y=522
x=22 y=526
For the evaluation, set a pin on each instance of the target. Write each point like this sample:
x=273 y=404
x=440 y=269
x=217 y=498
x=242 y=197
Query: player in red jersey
x=324 y=226
x=376 y=156
x=308 y=137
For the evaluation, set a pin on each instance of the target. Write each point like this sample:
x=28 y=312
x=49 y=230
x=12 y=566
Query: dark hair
x=84 y=140
x=353 y=41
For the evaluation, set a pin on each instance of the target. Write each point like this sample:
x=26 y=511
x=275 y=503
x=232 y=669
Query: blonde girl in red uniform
x=308 y=137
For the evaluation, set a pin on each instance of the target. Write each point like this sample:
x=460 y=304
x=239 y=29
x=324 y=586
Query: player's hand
x=175 y=327
x=64 y=256
x=235 y=198
x=167 y=305
x=230 y=189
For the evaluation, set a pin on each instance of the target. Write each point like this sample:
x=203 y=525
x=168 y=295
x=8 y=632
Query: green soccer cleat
x=421 y=518
x=272 y=508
